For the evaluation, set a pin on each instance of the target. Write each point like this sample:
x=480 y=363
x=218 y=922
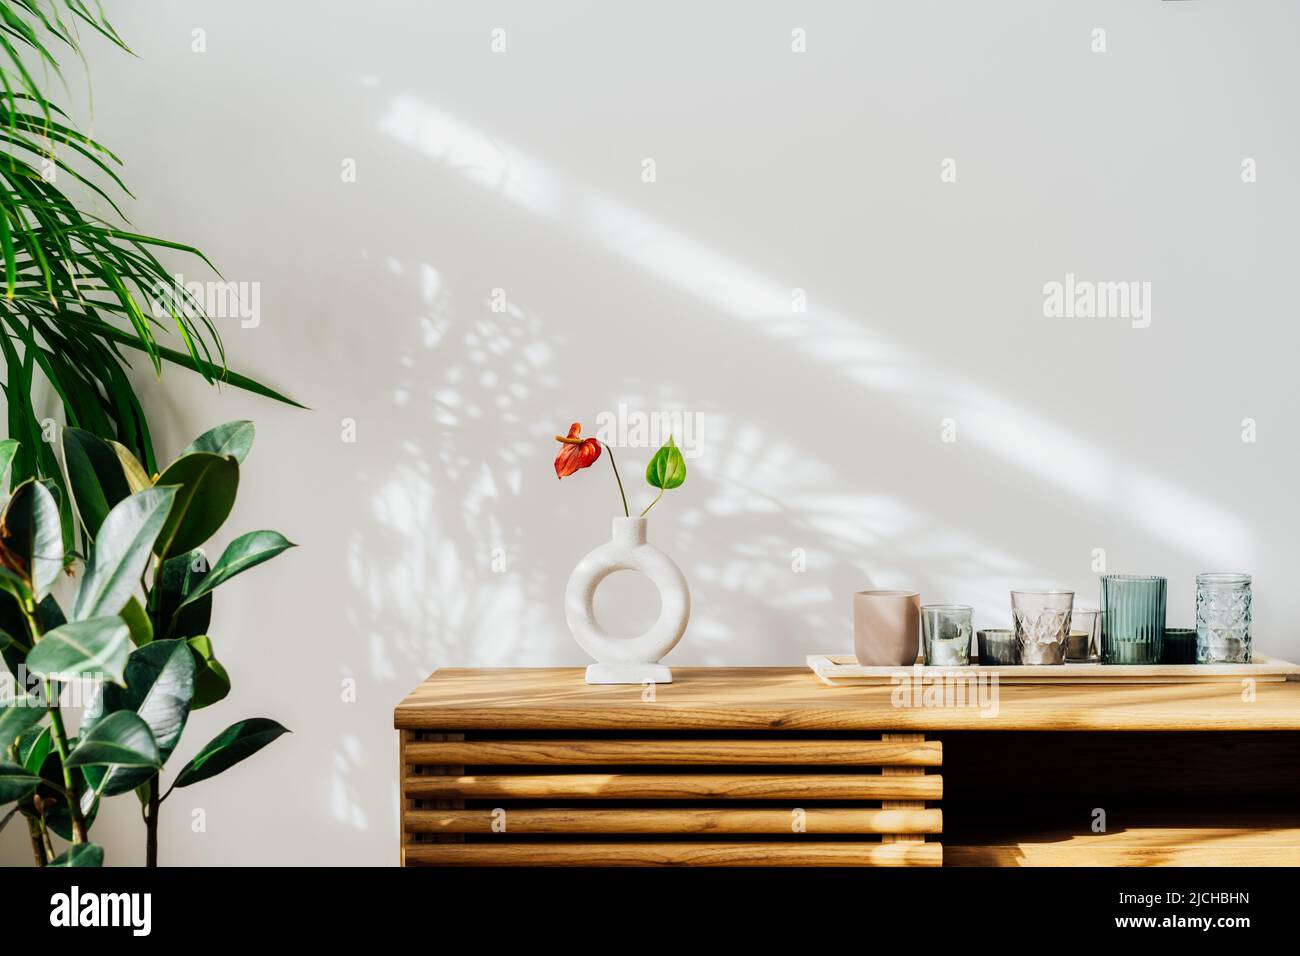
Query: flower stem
x=653 y=503
x=626 y=513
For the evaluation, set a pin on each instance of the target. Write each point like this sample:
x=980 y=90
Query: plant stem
x=61 y=745
x=151 y=823
x=653 y=503
x=38 y=848
x=626 y=513
x=59 y=735
x=45 y=835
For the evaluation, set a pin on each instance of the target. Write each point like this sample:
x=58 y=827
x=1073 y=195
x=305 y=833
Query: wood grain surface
x=715 y=699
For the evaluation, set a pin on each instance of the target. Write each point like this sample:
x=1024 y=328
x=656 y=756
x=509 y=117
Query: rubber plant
x=81 y=287
x=137 y=629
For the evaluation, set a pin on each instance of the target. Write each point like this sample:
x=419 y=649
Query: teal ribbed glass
x=1132 y=618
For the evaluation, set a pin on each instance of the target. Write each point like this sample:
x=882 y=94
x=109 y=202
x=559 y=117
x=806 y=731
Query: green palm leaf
x=80 y=291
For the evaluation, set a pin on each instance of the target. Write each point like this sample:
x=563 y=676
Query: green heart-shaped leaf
x=121 y=739
x=667 y=469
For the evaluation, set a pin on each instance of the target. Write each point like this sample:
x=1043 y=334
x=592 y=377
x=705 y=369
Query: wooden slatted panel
x=620 y=786
x=907 y=751
x=669 y=821
x=676 y=854
x=903 y=836
x=651 y=825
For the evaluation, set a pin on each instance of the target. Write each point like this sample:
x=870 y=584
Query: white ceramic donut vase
x=621 y=660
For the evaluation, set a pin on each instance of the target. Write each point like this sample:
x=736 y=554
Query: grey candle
x=1083 y=645
x=998 y=647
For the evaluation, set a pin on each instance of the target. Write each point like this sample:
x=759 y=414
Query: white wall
x=820 y=430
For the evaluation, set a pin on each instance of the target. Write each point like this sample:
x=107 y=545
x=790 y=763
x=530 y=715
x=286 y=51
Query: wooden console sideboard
x=769 y=767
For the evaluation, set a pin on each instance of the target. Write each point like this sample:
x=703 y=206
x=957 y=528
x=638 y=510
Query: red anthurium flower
x=577 y=452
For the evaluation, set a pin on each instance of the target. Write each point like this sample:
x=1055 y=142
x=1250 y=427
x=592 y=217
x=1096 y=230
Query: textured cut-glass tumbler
x=1042 y=620
x=1223 y=619
x=1132 y=618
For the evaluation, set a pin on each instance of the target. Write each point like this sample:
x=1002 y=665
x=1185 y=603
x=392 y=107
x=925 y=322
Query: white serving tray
x=838 y=669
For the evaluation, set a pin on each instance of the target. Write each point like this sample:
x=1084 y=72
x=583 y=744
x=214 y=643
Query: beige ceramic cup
x=886 y=628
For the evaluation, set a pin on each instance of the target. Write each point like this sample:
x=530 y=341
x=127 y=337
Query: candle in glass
x=946 y=634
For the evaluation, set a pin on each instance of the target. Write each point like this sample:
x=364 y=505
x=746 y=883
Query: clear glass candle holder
x=1042 y=621
x=946 y=631
x=1132 y=618
x=1223 y=618
x=1083 y=646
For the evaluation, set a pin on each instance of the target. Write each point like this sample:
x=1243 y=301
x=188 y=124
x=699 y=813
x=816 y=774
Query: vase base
x=629 y=674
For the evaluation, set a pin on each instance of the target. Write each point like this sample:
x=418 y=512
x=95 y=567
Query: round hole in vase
x=627 y=604
x=624 y=660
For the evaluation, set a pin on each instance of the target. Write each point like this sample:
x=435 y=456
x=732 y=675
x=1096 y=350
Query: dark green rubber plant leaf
x=80 y=855
x=122 y=739
x=34 y=745
x=235 y=743
x=13 y=632
x=137 y=622
x=95 y=477
x=159 y=688
x=206 y=485
x=16 y=783
x=180 y=576
x=233 y=438
x=16 y=716
x=211 y=682
x=246 y=551
x=31 y=537
x=49 y=615
x=96 y=647
x=122 y=550
x=16 y=586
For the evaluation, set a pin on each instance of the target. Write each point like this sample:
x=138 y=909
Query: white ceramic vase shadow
x=621 y=660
